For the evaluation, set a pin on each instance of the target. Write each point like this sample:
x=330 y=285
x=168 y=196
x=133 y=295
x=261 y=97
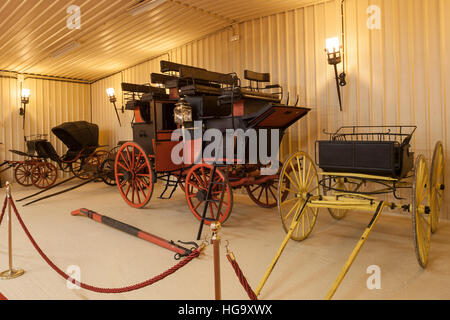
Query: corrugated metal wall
x=396 y=75
x=51 y=103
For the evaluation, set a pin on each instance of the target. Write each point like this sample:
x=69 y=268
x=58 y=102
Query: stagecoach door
x=163 y=145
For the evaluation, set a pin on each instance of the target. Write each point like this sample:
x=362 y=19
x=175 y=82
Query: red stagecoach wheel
x=45 y=175
x=196 y=188
x=24 y=174
x=134 y=175
x=265 y=194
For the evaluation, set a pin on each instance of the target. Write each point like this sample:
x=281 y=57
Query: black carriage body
x=249 y=114
x=380 y=153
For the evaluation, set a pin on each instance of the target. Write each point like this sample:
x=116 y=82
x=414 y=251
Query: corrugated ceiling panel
x=110 y=38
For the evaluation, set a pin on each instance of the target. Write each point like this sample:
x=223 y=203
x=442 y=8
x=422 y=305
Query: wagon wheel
x=437 y=185
x=112 y=154
x=108 y=173
x=45 y=175
x=196 y=188
x=85 y=167
x=421 y=216
x=265 y=195
x=338 y=184
x=134 y=175
x=299 y=178
x=24 y=174
x=79 y=167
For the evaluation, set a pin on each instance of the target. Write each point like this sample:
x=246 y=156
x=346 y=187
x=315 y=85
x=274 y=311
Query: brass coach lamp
x=112 y=98
x=25 y=97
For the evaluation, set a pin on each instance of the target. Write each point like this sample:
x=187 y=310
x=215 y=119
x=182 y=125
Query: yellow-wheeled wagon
x=358 y=166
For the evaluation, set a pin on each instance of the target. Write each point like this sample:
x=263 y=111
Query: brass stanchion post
x=10 y=273
x=215 y=227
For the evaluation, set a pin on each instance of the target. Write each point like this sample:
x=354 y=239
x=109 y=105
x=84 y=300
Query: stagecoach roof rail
x=168 y=66
x=208 y=76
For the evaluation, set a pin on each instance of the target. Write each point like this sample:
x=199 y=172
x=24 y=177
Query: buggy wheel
x=299 y=178
x=196 y=189
x=108 y=172
x=86 y=167
x=44 y=175
x=265 y=195
x=437 y=185
x=421 y=216
x=134 y=175
x=78 y=169
x=337 y=184
x=24 y=174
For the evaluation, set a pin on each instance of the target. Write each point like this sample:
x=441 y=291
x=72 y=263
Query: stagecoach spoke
x=273 y=194
x=198 y=204
x=122 y=184
x=125 y=162
x=298 y=188
x=120 y=164
x=304 y=170
x=284 y=203
x=299 y=168
x=257 y=188
x=128 y=190
x=298 y=204
x=129 y=157
x=204 y=175
x=260 y=194
x=295 y=173
x=141 y=184
x=136 y=188
x=202 y=183
x=143 y=166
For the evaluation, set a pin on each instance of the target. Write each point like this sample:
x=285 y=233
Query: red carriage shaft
x=170 y=245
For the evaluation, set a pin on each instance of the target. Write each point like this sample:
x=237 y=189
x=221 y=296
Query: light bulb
x=333 y=45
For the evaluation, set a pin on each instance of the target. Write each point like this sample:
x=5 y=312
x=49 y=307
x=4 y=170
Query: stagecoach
x=189 y=100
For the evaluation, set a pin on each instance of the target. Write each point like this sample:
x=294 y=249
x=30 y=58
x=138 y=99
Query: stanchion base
x=11 y=274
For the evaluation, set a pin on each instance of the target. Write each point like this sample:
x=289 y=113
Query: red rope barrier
x=3 y=210
x=242 y=279
x=138 y=286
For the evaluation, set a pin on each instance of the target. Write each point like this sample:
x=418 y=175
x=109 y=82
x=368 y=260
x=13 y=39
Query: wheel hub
x=201 y=195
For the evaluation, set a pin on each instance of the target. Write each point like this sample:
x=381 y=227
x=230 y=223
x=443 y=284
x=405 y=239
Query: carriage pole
x=355 y=252
x=294 y=225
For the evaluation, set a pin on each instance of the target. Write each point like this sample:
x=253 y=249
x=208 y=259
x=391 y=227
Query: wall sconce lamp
x=25 y=101
x=112 y=98
x=335 y=57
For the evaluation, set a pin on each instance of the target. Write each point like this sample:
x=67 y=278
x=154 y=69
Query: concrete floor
x=109 y=258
